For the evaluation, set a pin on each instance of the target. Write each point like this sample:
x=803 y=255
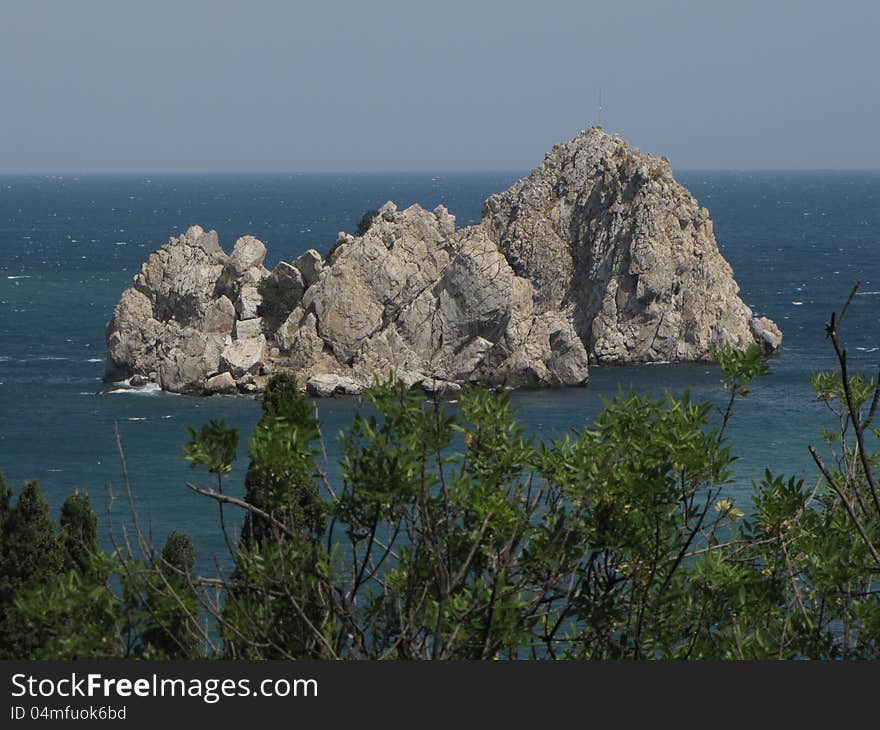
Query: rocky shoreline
x=598 y=256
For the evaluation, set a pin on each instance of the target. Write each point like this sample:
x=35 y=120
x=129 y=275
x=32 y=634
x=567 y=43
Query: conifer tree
x=30 y=557
x=79 y=531
x=281 y=476
x=274 y=600
x=171 y=603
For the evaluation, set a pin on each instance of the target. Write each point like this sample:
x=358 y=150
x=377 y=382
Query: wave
x=19 y=276
x=148 y=389
x=44 y=358
x=867 y=293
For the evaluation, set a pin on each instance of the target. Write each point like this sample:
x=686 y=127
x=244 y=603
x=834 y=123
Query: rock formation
x=599 y=255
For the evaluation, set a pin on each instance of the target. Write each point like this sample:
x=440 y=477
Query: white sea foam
x=95 y=359
x=19 y=276
x=148 y=389
x=136 y=418
x=797 y=304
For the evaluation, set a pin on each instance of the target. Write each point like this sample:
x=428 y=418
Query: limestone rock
x=254 y=276
x=598 y=255
x=298 y=338
x=219 y=316
x=183 y=369
x=220 y=383
x=132 y=338
x=604 y=232
x=445 y=220
x=214 y=344
x=162 y=324
x=288 y=275
x=243 y=357
x=327 y=384
x=310 y=265
x=248 y=253
x=179 y=278
x=766 y=333
x=249 y=299
x=248 y=328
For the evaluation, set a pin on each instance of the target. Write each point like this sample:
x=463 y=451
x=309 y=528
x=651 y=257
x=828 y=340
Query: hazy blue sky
x=153 y=85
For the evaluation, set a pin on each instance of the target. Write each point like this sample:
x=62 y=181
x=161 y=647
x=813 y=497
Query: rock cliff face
x=597 y=256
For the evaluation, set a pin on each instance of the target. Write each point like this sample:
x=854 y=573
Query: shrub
x=279 y=299
x=458 y=536
x=366 y=221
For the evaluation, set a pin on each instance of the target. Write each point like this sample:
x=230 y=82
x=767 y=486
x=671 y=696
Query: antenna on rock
x=599 y=122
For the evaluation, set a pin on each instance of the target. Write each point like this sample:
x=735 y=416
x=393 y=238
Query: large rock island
x=598 y=256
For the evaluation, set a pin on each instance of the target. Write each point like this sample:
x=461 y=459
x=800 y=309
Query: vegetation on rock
x=366 y=221
x=279 y=300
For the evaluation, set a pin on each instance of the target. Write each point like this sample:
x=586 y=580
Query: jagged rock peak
x=606 y=234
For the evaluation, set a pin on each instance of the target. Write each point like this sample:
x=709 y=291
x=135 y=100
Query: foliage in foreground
x=459 y=536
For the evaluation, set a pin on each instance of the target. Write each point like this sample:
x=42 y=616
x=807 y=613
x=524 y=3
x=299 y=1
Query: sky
x=393 y=85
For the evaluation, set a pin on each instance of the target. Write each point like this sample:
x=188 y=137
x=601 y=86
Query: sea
x=70 y=244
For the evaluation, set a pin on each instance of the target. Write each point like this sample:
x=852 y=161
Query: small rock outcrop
x=599 y=256
x=178 y=326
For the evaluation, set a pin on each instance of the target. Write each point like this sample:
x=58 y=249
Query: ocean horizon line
x=523 y=172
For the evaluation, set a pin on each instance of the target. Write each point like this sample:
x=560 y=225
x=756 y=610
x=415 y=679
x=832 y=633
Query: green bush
x=458 y=536
x=280 y=298
x=366 y=221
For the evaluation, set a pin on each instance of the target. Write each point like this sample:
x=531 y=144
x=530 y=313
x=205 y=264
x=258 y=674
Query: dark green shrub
x=280 y=298
x=366 y=221
x=53 y=579
x=170 y=605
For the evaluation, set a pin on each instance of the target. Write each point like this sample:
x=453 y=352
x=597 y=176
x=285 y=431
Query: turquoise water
x=70 y=245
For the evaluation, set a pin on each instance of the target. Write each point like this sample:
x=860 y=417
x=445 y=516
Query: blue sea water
x=69 y=245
